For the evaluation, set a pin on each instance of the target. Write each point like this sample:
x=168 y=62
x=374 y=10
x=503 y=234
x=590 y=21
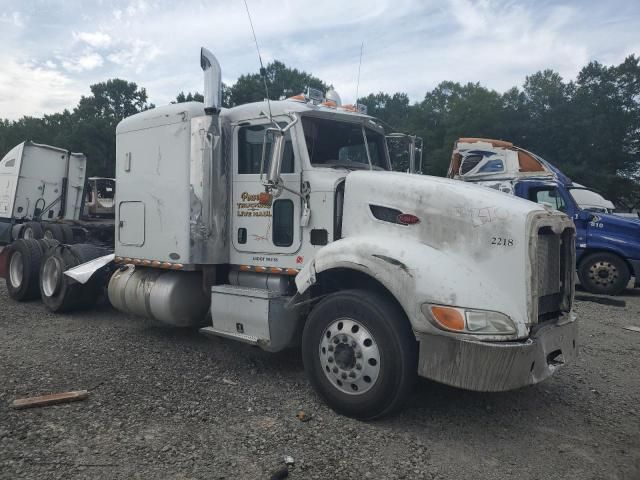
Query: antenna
x=263 y=71
x=359 y=66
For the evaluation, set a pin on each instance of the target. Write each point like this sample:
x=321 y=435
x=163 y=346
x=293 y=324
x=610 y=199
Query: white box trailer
x=279 y=224
x=39 y=182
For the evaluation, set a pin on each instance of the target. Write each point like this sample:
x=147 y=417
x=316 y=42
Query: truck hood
x=621 y=225
x=487 y=237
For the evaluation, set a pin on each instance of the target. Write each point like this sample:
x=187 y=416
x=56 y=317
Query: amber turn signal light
x=449 y=318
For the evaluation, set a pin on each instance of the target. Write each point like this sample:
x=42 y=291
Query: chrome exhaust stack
x=212 y=82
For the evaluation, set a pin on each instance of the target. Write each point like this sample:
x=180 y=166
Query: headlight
x=478 y=322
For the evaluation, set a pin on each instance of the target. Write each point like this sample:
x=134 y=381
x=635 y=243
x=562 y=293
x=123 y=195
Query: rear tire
x=604 y=273
x=60 y=293
x=45 y=245
x=360 y=353
x=31 y=231
x=92 y=289
x=53 y=231
x=24 y=261
x=67 y=233
x=56 y=291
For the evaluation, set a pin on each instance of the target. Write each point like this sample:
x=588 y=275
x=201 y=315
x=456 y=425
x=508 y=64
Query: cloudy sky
x=51 y=51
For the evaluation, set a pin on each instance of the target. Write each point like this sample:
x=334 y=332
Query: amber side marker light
x=449 y=318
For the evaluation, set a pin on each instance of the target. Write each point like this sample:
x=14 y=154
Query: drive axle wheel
x=60 y=293
x=24 y=266
x=604 y=273
x=359 y=353
x=32 y=231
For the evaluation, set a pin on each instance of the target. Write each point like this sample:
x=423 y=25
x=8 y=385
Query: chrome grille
x=550 y=257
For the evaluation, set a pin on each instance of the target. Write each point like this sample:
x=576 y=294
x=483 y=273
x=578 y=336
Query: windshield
x=592 y=201
x=332 y=143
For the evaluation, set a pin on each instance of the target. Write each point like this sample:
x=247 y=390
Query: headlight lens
x=478 y=322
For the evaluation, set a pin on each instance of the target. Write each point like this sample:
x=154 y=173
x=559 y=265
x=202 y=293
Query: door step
x=252 y=315
x=241 y=337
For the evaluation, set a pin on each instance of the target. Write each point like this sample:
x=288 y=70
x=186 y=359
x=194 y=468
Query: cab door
x=272 y=227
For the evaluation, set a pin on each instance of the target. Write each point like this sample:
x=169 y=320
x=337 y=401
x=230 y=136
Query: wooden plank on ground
x=52 y=399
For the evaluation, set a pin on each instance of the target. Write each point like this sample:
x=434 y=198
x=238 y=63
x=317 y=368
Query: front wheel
x=604 y=273
x=360 y=353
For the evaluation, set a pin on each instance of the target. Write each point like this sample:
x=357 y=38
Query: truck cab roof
x=175 y=112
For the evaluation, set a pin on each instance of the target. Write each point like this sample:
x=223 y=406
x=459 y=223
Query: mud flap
x=4 y=261
x=83 y=273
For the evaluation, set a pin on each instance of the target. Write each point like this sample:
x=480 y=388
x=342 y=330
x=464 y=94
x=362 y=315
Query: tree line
x=589 y=128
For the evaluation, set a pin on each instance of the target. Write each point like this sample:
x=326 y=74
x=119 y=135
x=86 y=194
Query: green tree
x=189 y=97
x=95 y=119
x=281 y=82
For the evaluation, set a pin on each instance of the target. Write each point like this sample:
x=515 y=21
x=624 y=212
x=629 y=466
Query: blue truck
x=607 y=243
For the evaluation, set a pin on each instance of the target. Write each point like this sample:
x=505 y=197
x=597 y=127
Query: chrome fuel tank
x=171 y=298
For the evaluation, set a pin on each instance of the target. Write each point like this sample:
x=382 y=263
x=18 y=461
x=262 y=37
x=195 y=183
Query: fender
x=416 y=273
x=16 y=230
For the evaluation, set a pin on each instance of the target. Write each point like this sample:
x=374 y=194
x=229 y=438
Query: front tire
x=604 y=273
x=360 y=353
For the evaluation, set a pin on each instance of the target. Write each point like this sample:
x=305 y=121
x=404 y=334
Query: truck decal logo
x=251 y=205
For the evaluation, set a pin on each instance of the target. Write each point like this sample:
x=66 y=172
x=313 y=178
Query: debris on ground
x=303 y=416
x=613 y=302
x=51 y=399
x=280 y=473
x=288 y=460
x=632 y=328
x=229 y=382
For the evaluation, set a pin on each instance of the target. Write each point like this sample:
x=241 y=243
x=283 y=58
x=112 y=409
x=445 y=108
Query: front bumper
x=497 y=366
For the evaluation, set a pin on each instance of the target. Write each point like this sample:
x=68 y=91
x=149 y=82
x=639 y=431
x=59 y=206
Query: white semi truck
x=40 y=187
x=279 y=224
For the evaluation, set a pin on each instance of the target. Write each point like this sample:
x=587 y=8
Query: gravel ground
x=174 y=404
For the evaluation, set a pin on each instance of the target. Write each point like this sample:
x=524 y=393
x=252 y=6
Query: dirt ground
x=174 y=404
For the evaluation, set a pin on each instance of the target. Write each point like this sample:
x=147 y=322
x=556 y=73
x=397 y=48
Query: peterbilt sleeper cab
x=279 y=224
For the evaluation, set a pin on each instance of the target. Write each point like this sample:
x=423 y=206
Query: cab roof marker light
x=315 y=95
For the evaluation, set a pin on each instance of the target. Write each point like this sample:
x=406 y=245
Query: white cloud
x=27 y=89
x=14 y=18
x=88 y=61
x=95 y=39
x=135 y=55
x=409 y=45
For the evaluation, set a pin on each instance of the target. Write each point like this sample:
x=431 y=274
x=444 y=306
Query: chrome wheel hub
x=603 y=273
x=51 y=276
x=48 y=235
x=349 y=356
x=16 y=270
x=28 y=233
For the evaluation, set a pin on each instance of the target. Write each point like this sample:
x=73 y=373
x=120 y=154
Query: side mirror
x=415 y=154
x=278 y=137
x=275 y=155
x=585 y=215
